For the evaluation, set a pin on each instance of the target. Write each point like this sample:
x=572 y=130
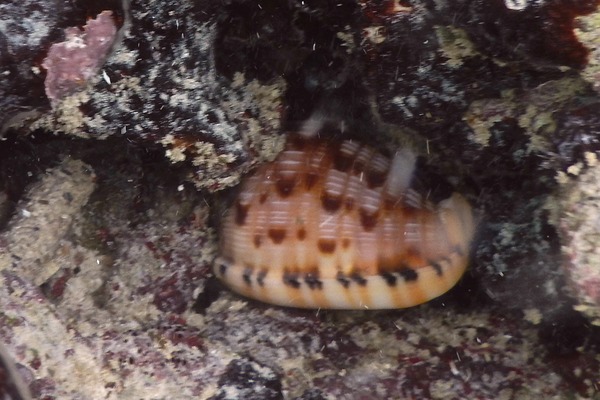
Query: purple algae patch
x=70 y=64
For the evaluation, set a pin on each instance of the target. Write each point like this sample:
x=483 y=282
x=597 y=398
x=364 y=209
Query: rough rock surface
x=33 y=236
x=111 y=295
x=587 y=30
x=160 y=86
x=26 y=29
x=571 y=208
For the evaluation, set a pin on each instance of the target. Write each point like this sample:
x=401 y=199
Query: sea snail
x=338 y=225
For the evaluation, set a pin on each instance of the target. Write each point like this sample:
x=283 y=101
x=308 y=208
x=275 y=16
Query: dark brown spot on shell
x=409 y=274
x=331 y=203
x=310 y=180
x=257 y=241
x=345 y=243
x=223 y=268
x=342 y=161
x=326 y=246
x=355 y=276
x=389 y=278
x=341 y=278
x=285 y=186
x=277 y=235
x=247 y=276
x=301 y=234
x=367 y=220
x=313 y=281
x=290 y=279
x=375 y=179
x=263 y=197
x=437 y=267
x=260 y=278
x=241 y=213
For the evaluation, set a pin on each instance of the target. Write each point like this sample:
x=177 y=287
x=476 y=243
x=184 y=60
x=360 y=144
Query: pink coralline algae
x=71 y=63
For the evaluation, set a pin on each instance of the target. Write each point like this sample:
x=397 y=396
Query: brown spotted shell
x=337 y=225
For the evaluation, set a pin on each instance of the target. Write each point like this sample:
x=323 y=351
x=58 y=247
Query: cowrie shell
x=337 y=225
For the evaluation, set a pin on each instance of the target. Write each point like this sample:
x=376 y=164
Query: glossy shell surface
x=337 y=225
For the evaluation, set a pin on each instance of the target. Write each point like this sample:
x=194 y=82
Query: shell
x=337 y=225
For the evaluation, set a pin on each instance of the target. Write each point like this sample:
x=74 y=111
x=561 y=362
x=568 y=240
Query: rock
x=159 y=87
x=577 y=213
x=29 y=248
x=26 y=29
x=248 y=380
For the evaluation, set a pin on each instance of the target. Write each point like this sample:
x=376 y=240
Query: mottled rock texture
x=160 y=86
x=499 y=97
x=26 y=29
x=574 y=209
